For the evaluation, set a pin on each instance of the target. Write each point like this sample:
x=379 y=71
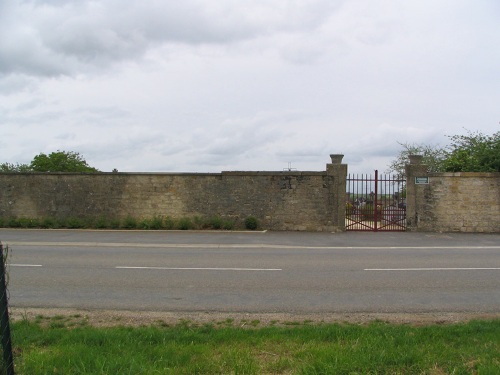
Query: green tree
x=60 y=161
x=433 y=157
x=9 y=167
x=473 y=152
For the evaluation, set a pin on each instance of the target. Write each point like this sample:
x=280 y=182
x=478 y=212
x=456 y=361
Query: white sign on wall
x=421 y=180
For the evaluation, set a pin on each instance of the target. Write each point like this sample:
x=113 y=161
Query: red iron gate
x=375 y=203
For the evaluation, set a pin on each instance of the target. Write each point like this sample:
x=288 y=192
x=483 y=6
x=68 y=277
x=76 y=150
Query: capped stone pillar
x=417 y=179
x=336 y=174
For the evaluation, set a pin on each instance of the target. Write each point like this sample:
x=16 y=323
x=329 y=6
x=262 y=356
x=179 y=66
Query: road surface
x=291 y=272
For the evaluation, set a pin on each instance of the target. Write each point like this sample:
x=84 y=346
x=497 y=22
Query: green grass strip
x=377 y=348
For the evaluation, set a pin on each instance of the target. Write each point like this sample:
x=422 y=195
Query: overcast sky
x=216 y=85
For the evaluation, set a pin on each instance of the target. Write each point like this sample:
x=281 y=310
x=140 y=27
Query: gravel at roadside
x=110 y=318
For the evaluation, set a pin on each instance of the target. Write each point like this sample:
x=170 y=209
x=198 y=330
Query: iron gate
x=375 y=203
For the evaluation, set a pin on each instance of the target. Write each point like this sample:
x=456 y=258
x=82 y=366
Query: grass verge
x=70 y=346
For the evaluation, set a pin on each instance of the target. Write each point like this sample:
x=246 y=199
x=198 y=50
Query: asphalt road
x=291 y=272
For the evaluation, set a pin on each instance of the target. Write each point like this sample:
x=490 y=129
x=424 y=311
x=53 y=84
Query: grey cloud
x=209 y=85
x=66 y=136
x=303 y=152
x=14 y=83
x=47 y=38
x=119 y=151
x=243 y=135
x=27 y=105
x=35 y=118
x=100 y=113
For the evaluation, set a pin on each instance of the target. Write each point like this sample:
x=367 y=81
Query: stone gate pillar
x=417 y=178
x=337 y=175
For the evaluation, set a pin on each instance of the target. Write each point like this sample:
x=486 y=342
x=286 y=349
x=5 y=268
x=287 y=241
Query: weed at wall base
x=101 y=223
x=169 y=223
x=130 y=222
x=153 y=223
x=185 y=224
x=76 y=223
x=216 y=222
x=228 y=225
x=251 y=223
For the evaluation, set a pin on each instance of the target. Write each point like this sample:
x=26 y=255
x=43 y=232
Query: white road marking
x=435 y=269
x=236 y=246
x=25 y=265
x=199 y=268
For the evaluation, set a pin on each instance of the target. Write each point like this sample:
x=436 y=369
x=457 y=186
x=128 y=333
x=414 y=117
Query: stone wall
x=453 y=202
x=312 y=201
x=279 y=200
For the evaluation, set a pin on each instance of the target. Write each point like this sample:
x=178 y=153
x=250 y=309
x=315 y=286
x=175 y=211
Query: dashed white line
x=238 y=246
x=199 y=268
x=25 y=265
x=436 y=269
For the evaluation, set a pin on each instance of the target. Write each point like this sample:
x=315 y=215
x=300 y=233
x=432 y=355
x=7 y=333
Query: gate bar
x=375 y=202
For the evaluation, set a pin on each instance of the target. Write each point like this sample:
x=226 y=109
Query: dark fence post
x=8 y=358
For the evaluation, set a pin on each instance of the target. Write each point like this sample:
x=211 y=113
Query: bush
x=129 y=223
x=24 y=222
x=114 y=224
x=157 y=222
x=48 y=222
x=216 y=222
x=101 y=223
x=169 y=223
x=228 y=225
x=13 y=223
x=154 y=223
x=145 y=224
x=199 y=222
x=368 y=211
x=251 y=223
x=349 y=209
x=75 y=223
x=185 y=224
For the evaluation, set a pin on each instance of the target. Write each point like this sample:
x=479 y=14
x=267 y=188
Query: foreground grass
x=60 y=346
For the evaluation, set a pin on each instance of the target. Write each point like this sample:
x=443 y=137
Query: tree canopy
x=9 y=167
x=472 y=152
x=59 y=161
x=433 y=157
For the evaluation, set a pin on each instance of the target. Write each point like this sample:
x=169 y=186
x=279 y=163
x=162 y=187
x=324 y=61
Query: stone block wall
x=463 y=202
x=453 y=202
x=279 y=200
x=311 y=201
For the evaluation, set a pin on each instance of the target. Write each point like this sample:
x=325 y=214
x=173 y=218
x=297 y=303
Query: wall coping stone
x=271 y=173
x=466 y=174
x=107 y=174
x=231 y=173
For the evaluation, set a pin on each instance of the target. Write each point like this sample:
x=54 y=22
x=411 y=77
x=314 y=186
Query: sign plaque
x=421 y=180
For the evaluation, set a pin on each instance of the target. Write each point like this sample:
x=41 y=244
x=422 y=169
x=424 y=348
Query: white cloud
x=63 y=38
x=222 y=85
